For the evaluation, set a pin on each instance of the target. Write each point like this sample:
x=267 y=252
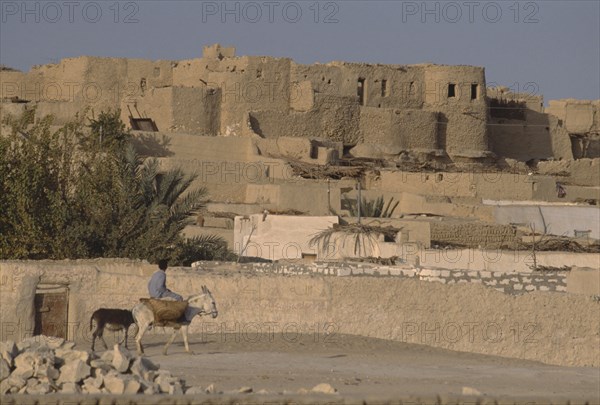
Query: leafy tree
x=36 y=166
x=82 y=191
x=108 y=130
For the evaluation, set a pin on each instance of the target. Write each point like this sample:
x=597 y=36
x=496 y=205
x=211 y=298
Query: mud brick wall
x=472 y=235
x=385 y=302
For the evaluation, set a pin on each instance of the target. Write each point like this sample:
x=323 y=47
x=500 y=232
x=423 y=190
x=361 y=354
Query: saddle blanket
x=166 y=313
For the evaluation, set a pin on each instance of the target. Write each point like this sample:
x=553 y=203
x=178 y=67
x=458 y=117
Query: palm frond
x=356 y=232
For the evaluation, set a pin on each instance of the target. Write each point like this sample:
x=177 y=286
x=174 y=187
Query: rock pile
x=41 y=365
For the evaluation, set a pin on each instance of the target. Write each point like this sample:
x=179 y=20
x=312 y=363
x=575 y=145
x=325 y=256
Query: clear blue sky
x=544 y=47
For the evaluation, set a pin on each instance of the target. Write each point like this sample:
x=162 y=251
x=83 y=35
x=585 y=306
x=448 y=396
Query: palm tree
x=159 y=205
x=372 y=208
x=363 y=237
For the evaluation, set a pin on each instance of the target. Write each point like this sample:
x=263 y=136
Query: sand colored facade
x=237 y=122
x=394 y=308
x=436 y=111
x=429 y=108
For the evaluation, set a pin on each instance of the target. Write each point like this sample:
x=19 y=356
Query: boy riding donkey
x=157 y=286
x=167 y=306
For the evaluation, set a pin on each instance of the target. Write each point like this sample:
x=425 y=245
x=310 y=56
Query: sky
x=549 y=48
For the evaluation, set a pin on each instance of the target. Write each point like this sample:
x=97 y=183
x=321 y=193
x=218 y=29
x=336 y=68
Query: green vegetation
x=373 y=208
x=82 y=191
x=363 y=237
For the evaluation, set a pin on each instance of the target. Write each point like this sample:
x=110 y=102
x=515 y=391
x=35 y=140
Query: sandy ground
x=364 y=368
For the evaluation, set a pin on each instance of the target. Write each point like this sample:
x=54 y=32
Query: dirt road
x=360 y=367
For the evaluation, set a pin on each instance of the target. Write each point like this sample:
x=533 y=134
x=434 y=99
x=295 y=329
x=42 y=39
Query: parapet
x=215 y=51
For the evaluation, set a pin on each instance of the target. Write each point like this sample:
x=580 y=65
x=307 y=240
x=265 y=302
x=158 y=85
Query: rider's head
x=163 y=264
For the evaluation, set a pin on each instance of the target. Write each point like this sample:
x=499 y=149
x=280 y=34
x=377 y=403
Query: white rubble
x=42 y=365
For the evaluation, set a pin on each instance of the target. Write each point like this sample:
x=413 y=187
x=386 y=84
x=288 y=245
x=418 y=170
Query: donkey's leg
x=94 y=337
x=125 y=337
x=171 y=339
x=138 y=339
x=101 y=335
x=184 y=333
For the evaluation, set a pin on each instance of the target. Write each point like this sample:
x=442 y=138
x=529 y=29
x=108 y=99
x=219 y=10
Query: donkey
x=198 y=304
x=113 y=320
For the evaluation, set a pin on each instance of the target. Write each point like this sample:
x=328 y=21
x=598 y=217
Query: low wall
x=506 y=282
x=255 y=299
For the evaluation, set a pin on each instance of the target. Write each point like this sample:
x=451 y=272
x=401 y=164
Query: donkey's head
x=204 y=302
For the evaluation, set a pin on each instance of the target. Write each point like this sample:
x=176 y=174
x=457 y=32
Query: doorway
x=360 y=90
x=51 y=308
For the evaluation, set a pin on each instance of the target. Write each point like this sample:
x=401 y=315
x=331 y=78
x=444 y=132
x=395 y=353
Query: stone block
x=114 y=383
x=101 y=365
x=343 y=272
x=8 y=351
x=46 y=371
x=64 y=355
x=409 y=272
x=395 y=272
x=70 y=388
x=175 y=389
x=27 y=360
x=4 y=369
x=132 y=386
x=323 y=388
x=164 y=381
x=23 y=372
x=39 y=388
x=425 y=273
x=107 y=356
x=121 y=359
x=195 y=391
x=141 y=366
x=90 y=389
x=15 y=383
x=95 y=382
x=74 y=372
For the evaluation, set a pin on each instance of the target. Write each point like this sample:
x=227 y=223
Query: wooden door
x=51 y=314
